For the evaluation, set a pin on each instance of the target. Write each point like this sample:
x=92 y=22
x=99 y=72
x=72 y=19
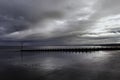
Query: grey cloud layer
x=49 y=19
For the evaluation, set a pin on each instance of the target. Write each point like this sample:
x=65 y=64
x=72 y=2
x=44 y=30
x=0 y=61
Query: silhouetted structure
x=103 y=47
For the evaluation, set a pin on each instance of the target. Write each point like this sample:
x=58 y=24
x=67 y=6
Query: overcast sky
x=60 y=21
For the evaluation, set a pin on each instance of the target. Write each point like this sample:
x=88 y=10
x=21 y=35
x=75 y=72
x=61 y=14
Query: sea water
x=97 y=65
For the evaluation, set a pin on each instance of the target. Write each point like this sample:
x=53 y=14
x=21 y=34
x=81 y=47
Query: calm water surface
x=102 y=65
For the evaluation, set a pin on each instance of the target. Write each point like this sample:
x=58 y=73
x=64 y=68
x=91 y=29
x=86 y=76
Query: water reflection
x=96 y=56
x=53 y=61
x=63 y=66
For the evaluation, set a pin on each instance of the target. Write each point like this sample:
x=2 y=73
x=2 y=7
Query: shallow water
x=99 y=65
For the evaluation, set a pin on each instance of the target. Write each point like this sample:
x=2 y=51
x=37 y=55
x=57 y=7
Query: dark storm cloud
x=29 y=9
x=16 y=16
x=47 y=20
